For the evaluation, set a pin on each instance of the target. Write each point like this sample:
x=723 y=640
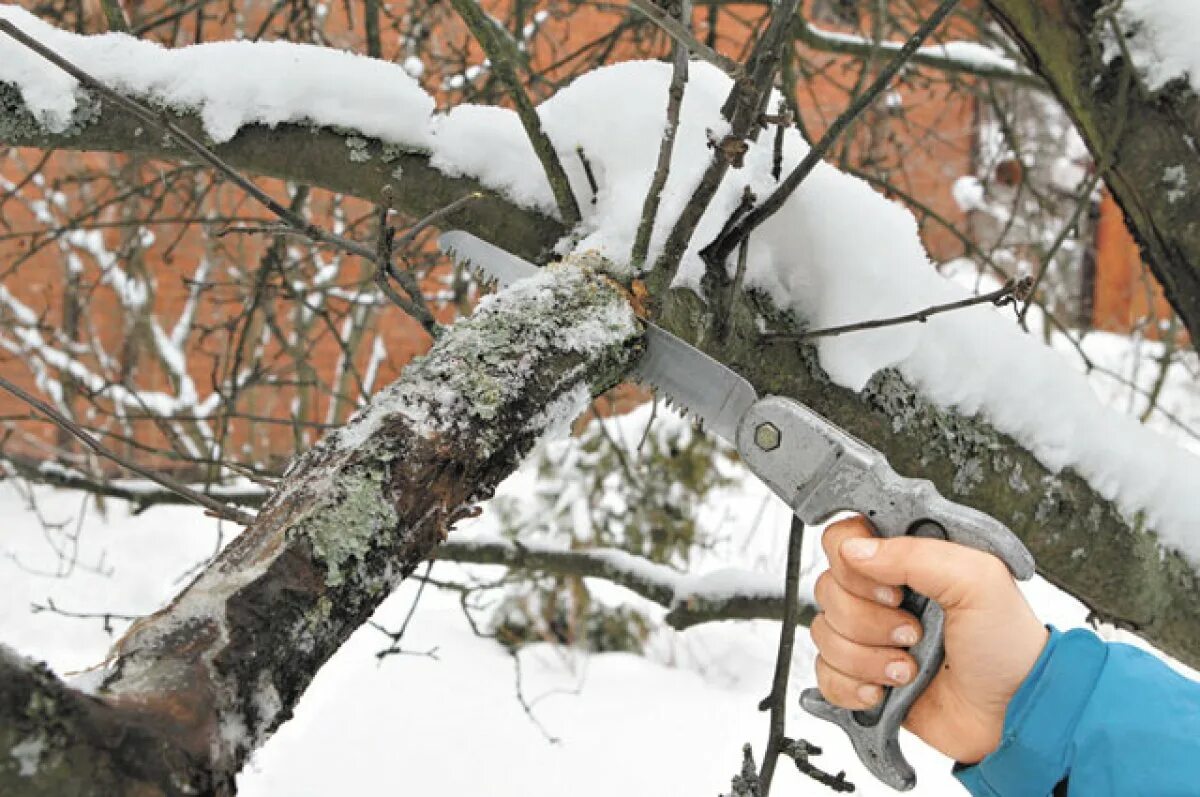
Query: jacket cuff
x=1035 y=746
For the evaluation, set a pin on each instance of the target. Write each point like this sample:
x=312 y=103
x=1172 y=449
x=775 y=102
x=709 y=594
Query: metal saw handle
x=820 y=470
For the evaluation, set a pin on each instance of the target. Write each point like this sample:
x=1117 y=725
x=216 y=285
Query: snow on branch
x=991 y=414
x=727 y=594
x=967 y=57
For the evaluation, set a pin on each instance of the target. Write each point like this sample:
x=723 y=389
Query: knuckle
x=821 y=589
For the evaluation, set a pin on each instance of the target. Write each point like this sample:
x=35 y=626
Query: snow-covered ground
x=671 y=722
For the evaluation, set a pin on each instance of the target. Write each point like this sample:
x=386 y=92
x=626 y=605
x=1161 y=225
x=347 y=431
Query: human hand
x=992 y=636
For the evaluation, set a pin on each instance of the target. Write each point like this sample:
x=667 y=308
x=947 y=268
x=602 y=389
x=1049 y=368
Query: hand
x=992 y=637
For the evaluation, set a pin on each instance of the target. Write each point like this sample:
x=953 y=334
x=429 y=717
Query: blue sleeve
x=1108 y=717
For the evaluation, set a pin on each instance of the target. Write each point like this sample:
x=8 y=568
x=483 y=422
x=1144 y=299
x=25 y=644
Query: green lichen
x=18 y=125
x=346 y=527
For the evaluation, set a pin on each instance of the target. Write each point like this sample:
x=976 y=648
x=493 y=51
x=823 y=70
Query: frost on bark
x=190 y=691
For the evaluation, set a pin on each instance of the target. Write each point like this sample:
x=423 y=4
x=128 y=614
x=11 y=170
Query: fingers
x=864 y=621
x=951 y=574
x=851 y=579
x=886 y=666
x=842 y=690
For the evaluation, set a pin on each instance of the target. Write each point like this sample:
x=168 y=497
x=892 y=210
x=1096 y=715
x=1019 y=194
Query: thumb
x=947 y=572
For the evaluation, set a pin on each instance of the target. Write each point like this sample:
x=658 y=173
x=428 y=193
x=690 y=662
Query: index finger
x=850 y=579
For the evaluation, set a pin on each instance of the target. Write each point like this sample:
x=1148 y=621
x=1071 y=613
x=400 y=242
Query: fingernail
x=860 y=548
x=886 y=596
x=868 y=694
x=905 y=635
x=898 y=672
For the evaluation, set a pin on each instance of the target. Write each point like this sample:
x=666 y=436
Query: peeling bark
x=203 y=682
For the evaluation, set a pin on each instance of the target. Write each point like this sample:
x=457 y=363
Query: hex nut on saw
x=766 y=436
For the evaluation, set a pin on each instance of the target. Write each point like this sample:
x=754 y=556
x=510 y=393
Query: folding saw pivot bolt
x=819 y=470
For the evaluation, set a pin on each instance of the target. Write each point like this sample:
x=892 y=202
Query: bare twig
x=189 y=142
x=397 y=636
x=777 y=700
x=114 y=14
x=385 y=241
x=720 y=249
x=216 y=507
x=679 y=31
x=743 y=108
x=1013 y=290
x=679 y=77
x=587 y=171
x=105 y=617
x=484 y=29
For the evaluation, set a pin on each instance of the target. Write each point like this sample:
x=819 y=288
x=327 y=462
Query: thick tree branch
x=214 y=673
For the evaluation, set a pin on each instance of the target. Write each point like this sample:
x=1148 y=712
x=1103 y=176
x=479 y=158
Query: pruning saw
x=818 y=469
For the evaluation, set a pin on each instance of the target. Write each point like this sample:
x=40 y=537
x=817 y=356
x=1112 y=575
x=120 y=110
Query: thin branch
x=720 y=249
x=384 y=248
x=216 y=507
x=189 y=142
x=397 y=636
x=777 y=700
x=1012 y=290
x=942 y=57
x=679 y=77
x=114 y=15
x=105 y=617
x=680 y=32
x=689 y=600
x=484 y=29
x=744 y=109
x=588 y=173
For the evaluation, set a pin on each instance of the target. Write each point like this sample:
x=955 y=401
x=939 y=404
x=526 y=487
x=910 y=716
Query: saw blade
x=494 y=263
x=690 y=379
x=704 y=387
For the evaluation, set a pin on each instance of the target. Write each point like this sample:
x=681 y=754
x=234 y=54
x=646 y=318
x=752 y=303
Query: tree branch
x=216 y=671
x=1125 y=573
x=483 y=28
x=212 y=505
x=1017 y=290
x=690 y=600
x=716 y=253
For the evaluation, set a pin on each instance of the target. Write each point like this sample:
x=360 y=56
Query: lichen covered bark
x=216 y=671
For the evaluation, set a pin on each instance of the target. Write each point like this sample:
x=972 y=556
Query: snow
x=1160 y=36
x=690 y=702
x=230 y=84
